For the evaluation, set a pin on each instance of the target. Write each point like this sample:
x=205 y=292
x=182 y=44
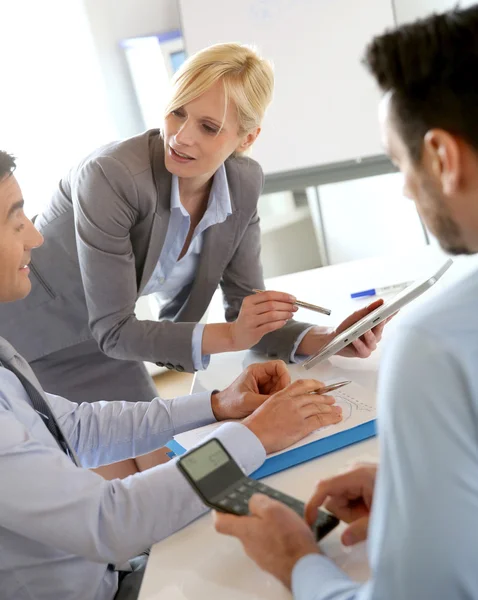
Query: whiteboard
x=325 y=104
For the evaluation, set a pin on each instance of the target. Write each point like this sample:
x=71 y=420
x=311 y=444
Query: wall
x=53 y=103
x=409 y=10
x=369 y=217
x=110 y=22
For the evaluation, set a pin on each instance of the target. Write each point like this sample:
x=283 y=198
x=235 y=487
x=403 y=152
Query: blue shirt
x=422 y=535
x=61 y=525
x=171 y=275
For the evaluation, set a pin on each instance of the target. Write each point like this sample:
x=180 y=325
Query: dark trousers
x=129 y=582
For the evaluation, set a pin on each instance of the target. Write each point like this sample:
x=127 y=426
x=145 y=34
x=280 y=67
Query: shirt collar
x=219 y=204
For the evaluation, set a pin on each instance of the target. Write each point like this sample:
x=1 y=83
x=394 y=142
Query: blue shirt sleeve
x=50 y=501
x=293 y=355
x=105 y=432
x=421 y=541
x=200 y=362
x=315 y=577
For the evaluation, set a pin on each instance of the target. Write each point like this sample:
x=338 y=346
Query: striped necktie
x=41 y=407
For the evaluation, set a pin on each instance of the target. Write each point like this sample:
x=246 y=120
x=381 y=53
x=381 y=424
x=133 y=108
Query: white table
x=196 y=563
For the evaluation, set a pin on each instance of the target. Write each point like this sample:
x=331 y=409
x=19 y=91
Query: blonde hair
x=248 y=81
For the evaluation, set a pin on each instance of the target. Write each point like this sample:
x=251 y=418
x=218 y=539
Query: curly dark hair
x=431 y=69
x=7 y=164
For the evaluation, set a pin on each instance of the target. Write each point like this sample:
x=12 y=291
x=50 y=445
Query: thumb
x=229 y=524
x=356 y=532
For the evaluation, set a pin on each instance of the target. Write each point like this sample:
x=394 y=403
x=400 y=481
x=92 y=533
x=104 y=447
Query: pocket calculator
x=219 y=481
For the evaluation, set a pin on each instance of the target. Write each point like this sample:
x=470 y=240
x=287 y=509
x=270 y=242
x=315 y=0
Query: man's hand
x=274 y=536
x=253 y=387
x=349 y=497
x=291 y=414
x=260 y=314
x=362 y=347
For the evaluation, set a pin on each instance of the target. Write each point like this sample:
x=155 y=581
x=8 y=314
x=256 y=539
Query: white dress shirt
x=60 y=525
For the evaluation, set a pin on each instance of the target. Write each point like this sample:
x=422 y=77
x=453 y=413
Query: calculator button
x=242 y=489
x=262 y=488
x=224 y=502
x=239 y=509
x=250 y=482
x=233 y=495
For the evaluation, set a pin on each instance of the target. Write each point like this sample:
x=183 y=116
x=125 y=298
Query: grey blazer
x=104 y=229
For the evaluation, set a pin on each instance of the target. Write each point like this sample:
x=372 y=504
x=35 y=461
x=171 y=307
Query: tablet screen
x=375 y=317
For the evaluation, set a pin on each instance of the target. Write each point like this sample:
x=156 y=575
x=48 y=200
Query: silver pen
x=320 y=309
x=330 y=388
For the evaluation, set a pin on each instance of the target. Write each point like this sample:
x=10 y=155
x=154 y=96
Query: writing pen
x=314 y=307
x=397 y=287
x=330 y=388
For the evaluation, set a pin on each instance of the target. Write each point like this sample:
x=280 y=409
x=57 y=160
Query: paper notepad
x=358 y=423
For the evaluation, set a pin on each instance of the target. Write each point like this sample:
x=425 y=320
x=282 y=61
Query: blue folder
x=274 y=464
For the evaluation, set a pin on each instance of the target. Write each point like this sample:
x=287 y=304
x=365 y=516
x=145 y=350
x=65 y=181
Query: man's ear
x=442 y=154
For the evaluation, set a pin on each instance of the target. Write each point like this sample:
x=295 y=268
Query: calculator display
x=205 y=460
x=221 y=484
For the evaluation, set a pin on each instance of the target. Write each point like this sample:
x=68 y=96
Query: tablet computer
x=375 y=317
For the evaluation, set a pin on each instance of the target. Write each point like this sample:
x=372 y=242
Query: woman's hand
x=260 y=314
x=362 y=347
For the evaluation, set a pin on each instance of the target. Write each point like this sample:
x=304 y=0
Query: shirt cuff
x=189 y=412
x=316 y=577
x=297 y=343
x=200 y=362
x=293 y=358
x=245 y=447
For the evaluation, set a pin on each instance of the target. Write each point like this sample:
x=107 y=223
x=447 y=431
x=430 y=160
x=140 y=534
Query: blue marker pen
x=388 y=289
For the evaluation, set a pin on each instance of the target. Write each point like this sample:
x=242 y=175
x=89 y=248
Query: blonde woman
x=171 y=213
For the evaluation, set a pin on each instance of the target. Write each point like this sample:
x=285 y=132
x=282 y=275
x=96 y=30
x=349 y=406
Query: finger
x=370 y=340
x=271 y=296
x=304 y=386
x=314 y=400
x=272 y=369
x=374 y=305
x=346 y=484
x=269 y=306
x=231 y=524
x=356 y=532
x=361 y=349
x=270 y=317
x=357 y=315
x=345 y=509
x=323 y=404
x=261 y=505
x=263 y=329
x=272 y=376
x=378 y=330
x=323 y=417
